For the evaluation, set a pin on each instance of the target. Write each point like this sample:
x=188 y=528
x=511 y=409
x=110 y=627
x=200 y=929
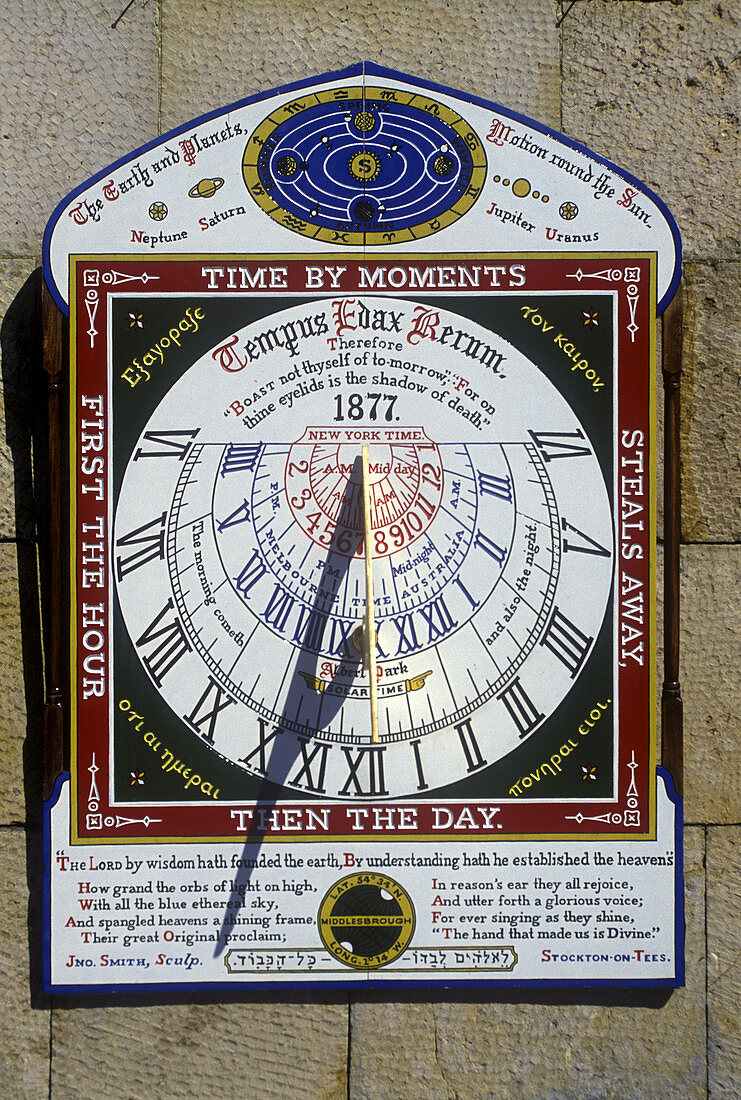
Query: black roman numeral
x=470 y=746
x=422 y=782
x=265 y=739
x=174 y=444
x=150 y=542
x=198 y=721
x=172 y=643
x=553 y=445
x=593 y=547
x=370 y=762
x=314 y=781
x=565 y=639
x=521 y=708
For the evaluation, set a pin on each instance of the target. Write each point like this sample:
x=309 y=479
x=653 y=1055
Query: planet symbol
x=364 y=166
x=287 y=165
x=204 y=189
x=443 y=165
x=521 y=188
x=364 y=210
x=364 y=121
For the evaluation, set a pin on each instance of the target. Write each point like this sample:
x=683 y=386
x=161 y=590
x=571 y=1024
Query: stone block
x=266 y=1050
x=710 y=580
x=77 y=94
x=724 y=969
x=654 y=88
x=24 y=1029
x=553 y=1044
x=22 y=408
x=711 y=404
x=214 y=54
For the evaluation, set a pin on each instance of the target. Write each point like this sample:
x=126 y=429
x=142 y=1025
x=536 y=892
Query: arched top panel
x=366 y=159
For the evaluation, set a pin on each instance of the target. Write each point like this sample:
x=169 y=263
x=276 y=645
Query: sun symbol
x=136 y=320
x=158 y=211
x=591 y=318
x=589 y=772
x=568 y=211
x=364 y=166
x=136 y=779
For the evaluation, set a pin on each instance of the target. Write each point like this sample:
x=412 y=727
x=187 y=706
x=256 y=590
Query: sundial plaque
x=362 y=554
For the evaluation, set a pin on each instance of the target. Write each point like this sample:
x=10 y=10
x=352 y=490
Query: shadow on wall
x=25 y=403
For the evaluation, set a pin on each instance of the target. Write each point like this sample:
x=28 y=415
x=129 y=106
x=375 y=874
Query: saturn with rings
x=205 y=188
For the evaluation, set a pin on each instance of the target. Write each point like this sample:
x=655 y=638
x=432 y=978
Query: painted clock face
x=239 y=552
x=364 y=166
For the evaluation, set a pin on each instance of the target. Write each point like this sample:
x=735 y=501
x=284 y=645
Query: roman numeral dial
x=240 y=564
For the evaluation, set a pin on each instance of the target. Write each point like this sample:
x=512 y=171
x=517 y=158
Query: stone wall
x=653 y=86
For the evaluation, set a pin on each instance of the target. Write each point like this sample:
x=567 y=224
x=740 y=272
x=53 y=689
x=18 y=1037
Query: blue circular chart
x=364 y=166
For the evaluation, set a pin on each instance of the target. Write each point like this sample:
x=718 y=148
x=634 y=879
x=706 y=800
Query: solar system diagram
x=376 y=171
